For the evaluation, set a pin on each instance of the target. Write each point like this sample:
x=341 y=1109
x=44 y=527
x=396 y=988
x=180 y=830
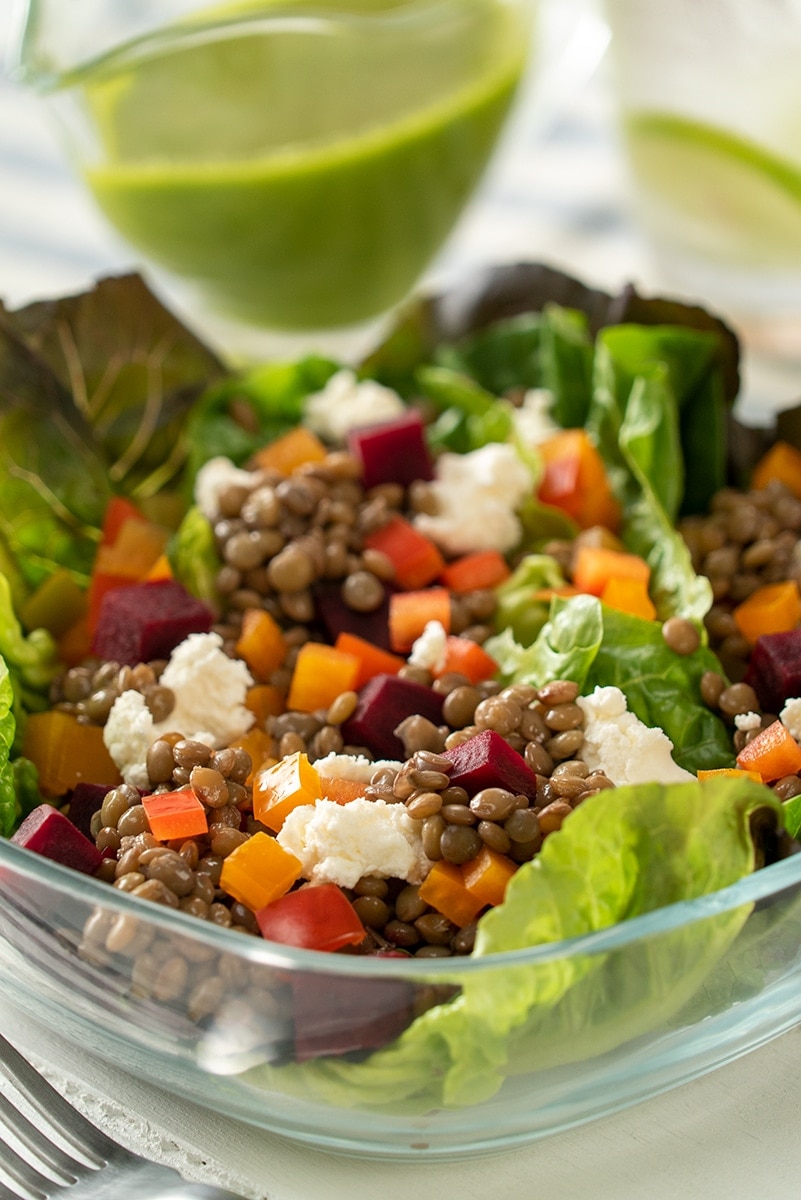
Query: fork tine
x=42 y=1154
x=91 y=1147
x=25 y=1182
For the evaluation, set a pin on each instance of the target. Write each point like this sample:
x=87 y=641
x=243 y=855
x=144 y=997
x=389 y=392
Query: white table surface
x=555 y=195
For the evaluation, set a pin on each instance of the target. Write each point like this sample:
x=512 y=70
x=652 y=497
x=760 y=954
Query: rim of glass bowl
x=29 y=62
x=760 y=884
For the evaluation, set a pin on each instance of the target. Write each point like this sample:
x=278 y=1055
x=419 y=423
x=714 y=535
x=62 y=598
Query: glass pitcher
x=286 y=164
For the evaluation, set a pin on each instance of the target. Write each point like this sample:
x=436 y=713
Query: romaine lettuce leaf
x=8 y=789
x=238 y=414
x=619 y=855
x=30 y=659
x=597 y=646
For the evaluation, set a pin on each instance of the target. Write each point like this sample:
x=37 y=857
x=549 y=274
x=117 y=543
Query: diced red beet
x=384 y=702
x=85 y=800
x=145 y=621
x=348 y=1014
x=48 y=832
x=486 y=760
x=336 y=617
x=774 y=670
x=394 y=451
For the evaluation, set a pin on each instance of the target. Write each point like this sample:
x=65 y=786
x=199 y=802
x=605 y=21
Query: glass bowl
x=290 y=1041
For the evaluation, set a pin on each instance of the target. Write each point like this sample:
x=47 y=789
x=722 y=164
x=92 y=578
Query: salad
x=408 y=661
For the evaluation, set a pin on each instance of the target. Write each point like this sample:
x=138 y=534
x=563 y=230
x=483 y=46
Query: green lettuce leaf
x=30 y=660
x=518 y=609
x=192 y=552
x=238 y=414
x=662 y=688
x=619 y=855
x=565 y=647
x=597 y=646
x=8 y=789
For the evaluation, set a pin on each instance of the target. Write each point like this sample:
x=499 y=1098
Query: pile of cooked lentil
x=278 y=539
x=748 y=539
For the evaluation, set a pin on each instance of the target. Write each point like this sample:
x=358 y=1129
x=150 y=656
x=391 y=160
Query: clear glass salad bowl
x=610 y=1019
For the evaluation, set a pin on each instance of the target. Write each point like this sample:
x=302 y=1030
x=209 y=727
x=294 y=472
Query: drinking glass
x=281 y=165
x=709 y=96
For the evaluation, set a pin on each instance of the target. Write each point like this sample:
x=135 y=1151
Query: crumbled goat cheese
x=532 y=420
x=339 y=843
x=214 y=478
x=429 y=648
x=346 y=403
x=619 y=744
x=790 y=717
x=747 y=721
x=352 y=766
x=476 y=497
x=209 y=689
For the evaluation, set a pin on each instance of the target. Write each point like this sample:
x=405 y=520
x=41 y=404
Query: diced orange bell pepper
x=139 y=544
x=775 y=608
x=773 y=753
x=321 y=673
x=574 y=480
x=261 y=643
x=465 y=657
x=76 y=643
x=629 y=596
x=340 y=791
x=487 y=875
x=287 y=784
x=444 y=889
x=161 y=569
x=295 y=449
x=410 y=612
x=594 y=566
x=781 y=462
x=729 y=773
x=475 y=572
x=118 y=510
x=372 y=659
x=175 y=815
x=264 y=700
x=259 y=871
x=55 y=605
x=65 y=752
x=259 y=745
x=416 y=559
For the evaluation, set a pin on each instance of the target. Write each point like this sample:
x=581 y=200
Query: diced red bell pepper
x=314 y=918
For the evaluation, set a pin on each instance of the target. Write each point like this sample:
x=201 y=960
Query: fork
x=48 y=1149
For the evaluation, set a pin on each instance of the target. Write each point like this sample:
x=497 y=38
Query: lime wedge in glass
x=716 y=192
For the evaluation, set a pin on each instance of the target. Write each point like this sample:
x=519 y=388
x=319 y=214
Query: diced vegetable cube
x=487 y=760
x=321 y=673
x=314 y=918
x=285 y=785
x=774 y=671
x=416 y=559
x=146 y=621
x=395 y=451
x=48 y=832
x=445 y=890
x=259 y=871
x=175 y=815
x=337 y=617
x=384 y=702
x=66 y=753
x=346 y=1017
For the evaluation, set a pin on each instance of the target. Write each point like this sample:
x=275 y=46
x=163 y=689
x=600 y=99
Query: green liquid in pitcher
x=301 y=181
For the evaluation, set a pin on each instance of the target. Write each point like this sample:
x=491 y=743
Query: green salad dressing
x=302 y=179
